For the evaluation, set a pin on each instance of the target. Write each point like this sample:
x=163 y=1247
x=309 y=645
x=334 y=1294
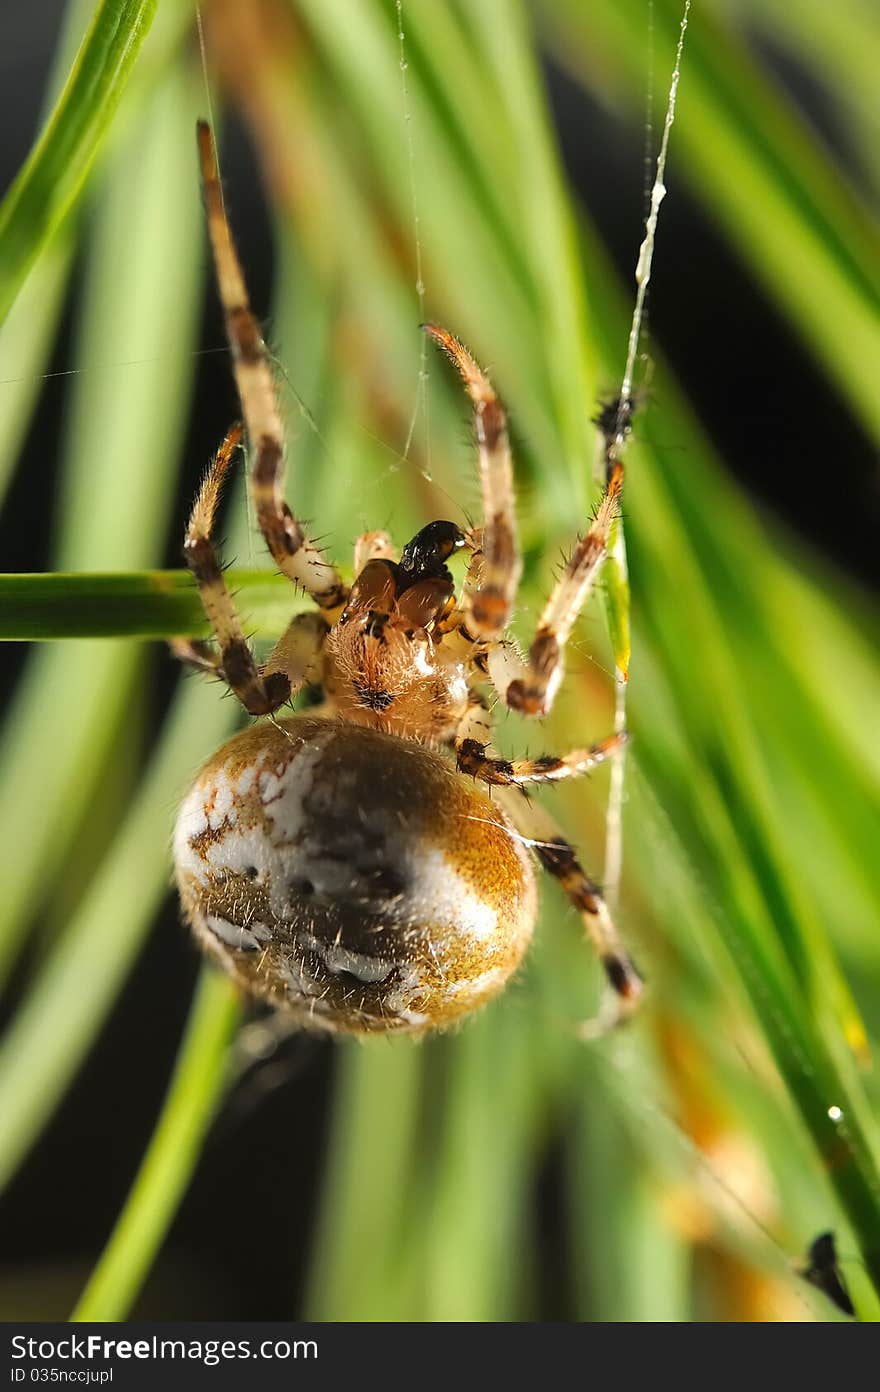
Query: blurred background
x=678 y=1170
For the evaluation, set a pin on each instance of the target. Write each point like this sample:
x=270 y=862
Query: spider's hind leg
x=475 y=755
x=559 y=859
x=259 y=693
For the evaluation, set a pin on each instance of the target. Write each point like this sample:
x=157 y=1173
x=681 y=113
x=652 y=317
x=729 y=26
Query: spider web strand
x=613 y=867
x=421 y=401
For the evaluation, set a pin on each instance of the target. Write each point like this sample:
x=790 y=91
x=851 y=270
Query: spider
x=348 y=863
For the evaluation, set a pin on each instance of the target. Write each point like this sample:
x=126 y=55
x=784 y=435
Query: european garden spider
x=338 y=863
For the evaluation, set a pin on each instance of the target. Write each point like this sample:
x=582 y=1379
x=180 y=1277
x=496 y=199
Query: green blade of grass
x=58 y=166
x=474 y=1241
x=83 y=972
x=360 y=48
x=170 y=1158
x=142 y=277
x=629 y=1264
x=144 y=604
x=372 y=1151
x=839 y=47
x=25 y=343
x=545 y=228
x=763 y=177
x=770 y=921
x=26 y=334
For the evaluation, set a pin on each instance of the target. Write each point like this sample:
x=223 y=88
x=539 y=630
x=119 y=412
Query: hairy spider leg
x=373 y=546
x=235 y=662
x=533 y=691
x=298 y=557
x=473 y=756
x=559 y=859
x=492 y=579
x=493 y=576
x=299 y=652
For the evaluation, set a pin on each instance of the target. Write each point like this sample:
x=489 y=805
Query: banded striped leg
x=493 y=576
x=532 y=692
x=559 y=859
x=473 y=756
x=235 y=663
x=295 y=555
x=298 y=654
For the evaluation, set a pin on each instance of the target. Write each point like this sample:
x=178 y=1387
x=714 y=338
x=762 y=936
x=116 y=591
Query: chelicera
x=370 y=865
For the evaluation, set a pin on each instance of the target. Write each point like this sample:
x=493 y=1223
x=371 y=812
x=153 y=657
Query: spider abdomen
x=352 y=876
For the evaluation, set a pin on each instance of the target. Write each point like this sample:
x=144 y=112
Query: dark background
x=784 y=435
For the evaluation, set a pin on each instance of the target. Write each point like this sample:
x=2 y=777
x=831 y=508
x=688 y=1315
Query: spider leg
x=294 y=554
x=196 y=654
x=532 y=691
x=493 y=575
x=235 y=662
x=472 y=756
x=373 y=546
x=559 y=859
x=298 y=653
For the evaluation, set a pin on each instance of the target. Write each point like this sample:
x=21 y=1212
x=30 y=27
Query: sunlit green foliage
x=702 y=1148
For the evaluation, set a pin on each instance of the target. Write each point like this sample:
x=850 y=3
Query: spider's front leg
x=559 y=859
x=296 y=555
x=493 y=576
x=373 y=546
x=294 y=657
x=531 y=688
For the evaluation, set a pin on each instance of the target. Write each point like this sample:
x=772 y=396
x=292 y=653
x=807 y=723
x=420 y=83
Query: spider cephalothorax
x=346 y=864
x=385 y=662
